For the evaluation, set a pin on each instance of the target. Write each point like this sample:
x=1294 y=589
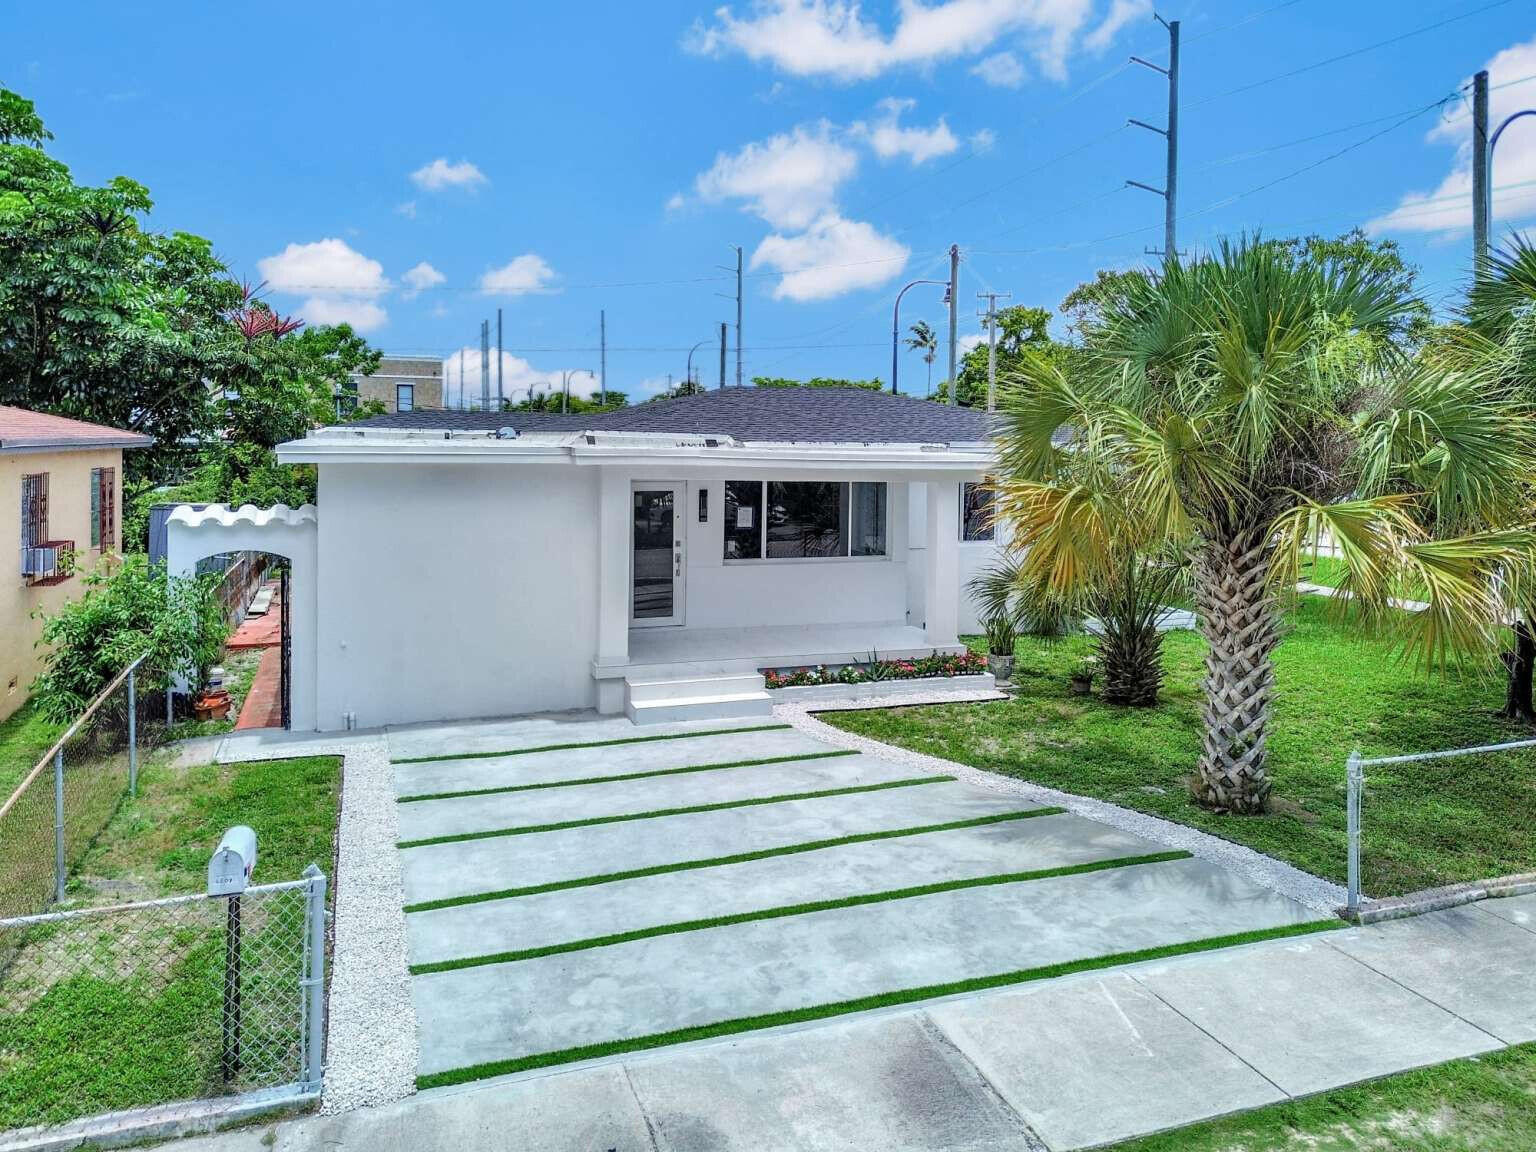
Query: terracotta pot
x=211 y=705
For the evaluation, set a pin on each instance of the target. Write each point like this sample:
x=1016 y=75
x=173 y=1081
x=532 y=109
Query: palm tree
x=924 y=337
x=1230 y=409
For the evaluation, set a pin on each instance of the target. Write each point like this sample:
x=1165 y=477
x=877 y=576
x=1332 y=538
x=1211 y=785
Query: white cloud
x=1448 y=206
x=969 y=340
x=519 y=378
x=889 y=138
x=1121 y=13
x=522 y=276
x=983 y=140
x=831 y=38
x=330 y=267
x=420 y=278
x=832 y=257
x=407 y=209
x=676 y=202
x=440 y=174
x=788 y=179
x=1001 y=70
x=364 y=315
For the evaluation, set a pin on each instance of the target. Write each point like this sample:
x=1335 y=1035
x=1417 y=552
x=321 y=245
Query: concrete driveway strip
x=893 y=1083
x=443 y=871
x=499 y=1012
x=1095 y=1059
x=461 y=737
x=1309 y=1017
x=1469 y=962
x=466 y=815
x=1518 y=910
x=547 y=918
x=435 y=776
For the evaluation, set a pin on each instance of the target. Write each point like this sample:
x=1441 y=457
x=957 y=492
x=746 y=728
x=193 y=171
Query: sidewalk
x=1068 y=1063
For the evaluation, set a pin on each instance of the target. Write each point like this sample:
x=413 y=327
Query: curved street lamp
x=1493 y=141
x=896 y=326
x=688 y=374
x=565 y=385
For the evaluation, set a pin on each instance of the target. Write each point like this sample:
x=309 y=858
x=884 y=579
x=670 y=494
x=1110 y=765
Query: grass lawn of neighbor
x=1425 y=824
x=1484 y=1104
x=124 y=1011
x=24 y=737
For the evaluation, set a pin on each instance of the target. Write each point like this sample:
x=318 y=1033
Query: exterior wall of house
x=424 y=376
x=973 y=557
x=511 y=624
x=69 y=518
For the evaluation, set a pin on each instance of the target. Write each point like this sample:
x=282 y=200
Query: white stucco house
x=465 y=564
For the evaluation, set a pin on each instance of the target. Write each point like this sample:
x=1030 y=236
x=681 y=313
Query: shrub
x=128 y=612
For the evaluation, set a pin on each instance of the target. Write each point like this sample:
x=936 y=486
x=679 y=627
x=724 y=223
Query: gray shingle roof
x=799 y=415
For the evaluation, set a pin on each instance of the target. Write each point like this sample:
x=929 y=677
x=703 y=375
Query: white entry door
x=658 y=565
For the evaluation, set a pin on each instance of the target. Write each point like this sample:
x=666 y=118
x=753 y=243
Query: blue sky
x=413 y=167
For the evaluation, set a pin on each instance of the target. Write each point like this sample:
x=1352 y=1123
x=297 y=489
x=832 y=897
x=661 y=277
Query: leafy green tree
x=1019 y=329
x=1231 y=408
x=874 y=385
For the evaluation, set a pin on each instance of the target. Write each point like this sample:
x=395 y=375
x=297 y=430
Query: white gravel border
x=1303 y=887
x=371 y=1054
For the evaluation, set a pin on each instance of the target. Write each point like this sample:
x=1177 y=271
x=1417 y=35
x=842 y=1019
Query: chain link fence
x=64 y=802
x=105 y=1009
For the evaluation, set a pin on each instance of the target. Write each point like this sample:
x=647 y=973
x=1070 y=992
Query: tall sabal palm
x=923 y=338
x=1233 y=407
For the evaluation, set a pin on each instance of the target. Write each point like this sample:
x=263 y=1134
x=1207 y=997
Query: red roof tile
x=22 y=428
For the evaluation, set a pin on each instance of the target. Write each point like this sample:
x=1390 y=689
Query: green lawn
x=24 y=737
x=1485 y=1104
x=124 y=1011
x=1425 y=824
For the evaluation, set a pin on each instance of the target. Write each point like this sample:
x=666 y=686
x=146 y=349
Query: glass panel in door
x=658 y=556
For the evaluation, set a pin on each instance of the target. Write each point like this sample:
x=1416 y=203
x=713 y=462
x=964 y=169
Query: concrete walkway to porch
x=1063 y=1064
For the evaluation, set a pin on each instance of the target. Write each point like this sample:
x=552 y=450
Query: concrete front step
x=443 y=871
x=468 y=815
x=721 y=706
x=473 y=1016
x=550 y=918
x=692 y=687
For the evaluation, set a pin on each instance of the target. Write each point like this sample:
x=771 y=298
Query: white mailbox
x=230 y=868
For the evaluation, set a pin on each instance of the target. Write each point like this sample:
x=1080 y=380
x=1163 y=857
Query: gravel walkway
x=1287 y=880
x=371 y=1035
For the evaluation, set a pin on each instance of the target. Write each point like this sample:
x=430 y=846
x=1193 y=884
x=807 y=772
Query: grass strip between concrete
x=862 y=1004
x=796 y=910
x=688 y=810
x=420 y=796
x=737 y=858
x=586 y=744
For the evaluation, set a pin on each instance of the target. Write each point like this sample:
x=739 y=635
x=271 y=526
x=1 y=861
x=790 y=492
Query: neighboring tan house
x=60 y=506
x=402 y=384
x=664 y=553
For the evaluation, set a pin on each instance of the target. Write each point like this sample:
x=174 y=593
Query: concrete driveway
x=577 y=887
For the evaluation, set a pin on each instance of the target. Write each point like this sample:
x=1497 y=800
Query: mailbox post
x=229 y=872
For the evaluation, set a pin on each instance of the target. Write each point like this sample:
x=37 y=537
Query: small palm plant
x=1233 y=407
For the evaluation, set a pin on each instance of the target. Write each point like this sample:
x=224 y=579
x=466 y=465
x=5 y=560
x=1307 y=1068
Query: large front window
x=803 y=520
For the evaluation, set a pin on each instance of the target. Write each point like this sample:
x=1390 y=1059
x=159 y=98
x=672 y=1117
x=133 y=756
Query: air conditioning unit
x=40 y=561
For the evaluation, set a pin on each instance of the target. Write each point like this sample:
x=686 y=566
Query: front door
x=657 y=564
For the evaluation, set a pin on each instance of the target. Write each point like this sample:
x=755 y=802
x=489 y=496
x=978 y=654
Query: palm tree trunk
x=1238 y=620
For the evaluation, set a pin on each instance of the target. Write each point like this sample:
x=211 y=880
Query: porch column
x=613 y=528
x=941 y=575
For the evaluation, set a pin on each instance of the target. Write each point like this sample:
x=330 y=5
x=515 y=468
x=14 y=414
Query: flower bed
x=928 y=667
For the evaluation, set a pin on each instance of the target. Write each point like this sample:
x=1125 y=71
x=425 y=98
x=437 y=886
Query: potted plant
x=1002 y=633
x=1081 y=679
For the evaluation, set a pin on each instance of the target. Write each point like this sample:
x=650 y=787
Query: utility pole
x=461 y=379
x=484 y=364
x=501 y=401
x=602 y=361
x=992 y=298
x=1480 y=198
x=725 y=268
x=954 y=319
x=722 y=355
x=1170 y=190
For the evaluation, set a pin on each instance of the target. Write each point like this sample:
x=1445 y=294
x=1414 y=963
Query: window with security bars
x=34 y=509
x=104 y=509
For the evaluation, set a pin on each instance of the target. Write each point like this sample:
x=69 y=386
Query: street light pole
x=691 y=351
x=1493 y=142
x=565 y=385
x=896 y=328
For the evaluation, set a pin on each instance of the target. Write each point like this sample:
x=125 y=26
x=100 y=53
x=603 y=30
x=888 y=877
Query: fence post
x=170 y=711
x=133 y=735
x=1356 y=778
x=312 y=985
x=58 y=825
